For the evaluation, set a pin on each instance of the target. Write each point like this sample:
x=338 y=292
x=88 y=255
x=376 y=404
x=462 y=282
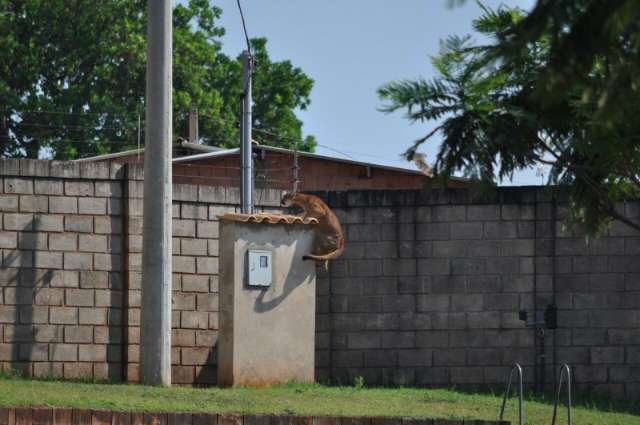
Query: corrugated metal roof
x=268 y=218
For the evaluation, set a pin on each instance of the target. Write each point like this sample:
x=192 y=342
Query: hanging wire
x=244 y=27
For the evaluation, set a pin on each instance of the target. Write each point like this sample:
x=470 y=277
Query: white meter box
x=259 y=268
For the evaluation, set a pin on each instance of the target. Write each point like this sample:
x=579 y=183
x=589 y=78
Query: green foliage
x=72 y=79
x=557 y=86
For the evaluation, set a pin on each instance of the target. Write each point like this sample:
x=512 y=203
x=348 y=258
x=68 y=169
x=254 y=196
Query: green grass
x=303 y=400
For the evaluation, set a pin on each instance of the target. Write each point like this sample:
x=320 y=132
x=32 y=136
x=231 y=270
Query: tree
x=72 y=79
x=557 y=86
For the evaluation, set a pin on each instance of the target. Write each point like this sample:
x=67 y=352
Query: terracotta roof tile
x=268 y=218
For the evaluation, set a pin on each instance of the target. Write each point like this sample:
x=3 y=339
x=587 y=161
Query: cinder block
x=17 y=259
x=93 y=243
x=95 y=206
x=63 y=352
x=193 y=246
x=32 y=241
x=79 y=297
x=434 y=266
x=415 y=358
x=467 y=375
x=8 y=240
x=466 y=230
x=92 y=316
x=18 y=185
x=194 y=320
x=195 y=283
x=78 y=334
x=449 y=213
x=63 y=315
x=78 y=261
x=433 y=302
x=500 y=230
x=112 y=225
x=49 y=296
x=80 y=224
x=194 y=211
x=183 y=264
x=47 y=333
x=48 y=223
x=108 y=189
x=18 y=222
x=207 y=229
x=184 y=228
x=47 y=260
x=48 y=187
x=398 y=340
x=483 y=212
x=207 y=302
x=206 y=338
x=94 y=279
x=78 y=371
x=206 y=265
x=182 y=301
x=78 y=188
x=8 y=203
x=63 y=242
x=195 y=356
x=63 y=205
x=92 y=353
x=29 y=203
x=607 y=355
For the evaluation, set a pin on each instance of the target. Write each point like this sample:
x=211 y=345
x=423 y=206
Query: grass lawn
x=301 y=399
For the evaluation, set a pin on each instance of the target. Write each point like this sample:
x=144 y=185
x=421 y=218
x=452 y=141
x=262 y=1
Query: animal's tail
x=330 y=256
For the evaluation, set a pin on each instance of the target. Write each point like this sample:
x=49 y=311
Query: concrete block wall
x=427 y=292
x=430 y=285
x=70 y=282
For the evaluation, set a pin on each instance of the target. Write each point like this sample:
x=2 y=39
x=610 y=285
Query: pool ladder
x=516 y=368
x=565 y=371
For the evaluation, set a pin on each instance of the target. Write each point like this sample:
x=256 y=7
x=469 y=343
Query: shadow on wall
x=40 y=341
x=294 y=279
x=29 y=284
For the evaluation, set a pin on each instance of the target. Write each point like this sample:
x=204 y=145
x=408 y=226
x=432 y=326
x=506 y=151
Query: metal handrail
x=518 y=368
x=564 y=370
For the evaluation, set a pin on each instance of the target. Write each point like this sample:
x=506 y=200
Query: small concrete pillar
x=267 y=333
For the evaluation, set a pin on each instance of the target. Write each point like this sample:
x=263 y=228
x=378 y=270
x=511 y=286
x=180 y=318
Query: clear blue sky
x=350 y=48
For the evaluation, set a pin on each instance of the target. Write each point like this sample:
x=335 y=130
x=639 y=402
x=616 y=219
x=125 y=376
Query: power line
x=40 y=111
x=244 y=27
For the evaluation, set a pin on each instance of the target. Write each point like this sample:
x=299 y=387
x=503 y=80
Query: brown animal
x=329 y=240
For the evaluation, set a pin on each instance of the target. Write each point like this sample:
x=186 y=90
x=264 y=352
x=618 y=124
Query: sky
x=350 y=48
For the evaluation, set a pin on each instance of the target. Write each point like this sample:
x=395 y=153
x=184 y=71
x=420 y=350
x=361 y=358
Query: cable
x=34 y=111
x=244 y=27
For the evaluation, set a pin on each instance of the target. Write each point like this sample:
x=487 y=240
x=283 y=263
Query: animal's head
x=288 y=199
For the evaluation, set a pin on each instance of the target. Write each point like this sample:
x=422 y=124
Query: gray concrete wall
x=429 y=288
x=427 y=292
x=267 y=334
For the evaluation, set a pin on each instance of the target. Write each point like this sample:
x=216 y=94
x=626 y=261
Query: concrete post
x=193 y=126
x=155 y=328
x=246 y=151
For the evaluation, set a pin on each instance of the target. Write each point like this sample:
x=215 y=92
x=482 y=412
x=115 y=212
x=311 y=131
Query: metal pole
x=193 y=126
x=246 y=185
x=155 y=326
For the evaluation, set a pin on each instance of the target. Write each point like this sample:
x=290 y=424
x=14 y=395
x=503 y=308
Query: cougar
x=329 y=240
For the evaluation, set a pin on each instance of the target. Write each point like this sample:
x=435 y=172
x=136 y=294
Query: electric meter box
x=259 y=268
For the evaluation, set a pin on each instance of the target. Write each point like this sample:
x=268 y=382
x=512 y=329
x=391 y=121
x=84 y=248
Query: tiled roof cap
x=268 y=218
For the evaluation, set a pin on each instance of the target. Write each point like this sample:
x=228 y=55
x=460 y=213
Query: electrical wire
x=244 y=27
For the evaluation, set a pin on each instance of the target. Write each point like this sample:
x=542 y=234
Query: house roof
x=234 y=151
x=187 y=145
x=207 y=152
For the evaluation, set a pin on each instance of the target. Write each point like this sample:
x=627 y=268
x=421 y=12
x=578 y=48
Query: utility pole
x=246 y=151
x=193 y=126
x=155 y=326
